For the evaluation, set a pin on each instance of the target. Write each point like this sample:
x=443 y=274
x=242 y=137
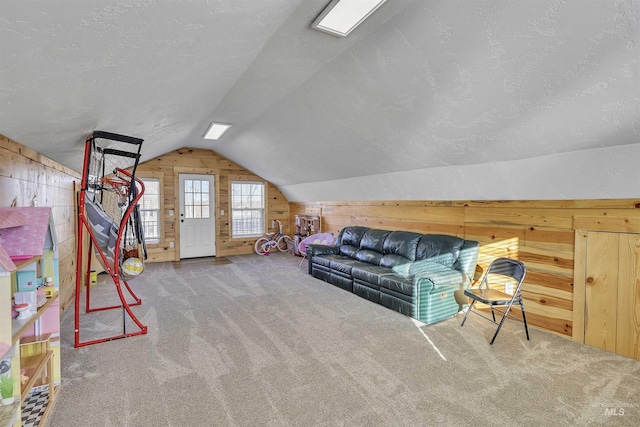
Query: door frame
x=177 y=170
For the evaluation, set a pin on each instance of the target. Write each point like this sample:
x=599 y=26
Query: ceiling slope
x=427 y=99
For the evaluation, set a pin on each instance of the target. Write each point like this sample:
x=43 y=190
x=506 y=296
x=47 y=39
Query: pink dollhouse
x=29 y=342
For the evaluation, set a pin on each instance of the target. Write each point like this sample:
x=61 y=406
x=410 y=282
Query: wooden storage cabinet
x=607 y=286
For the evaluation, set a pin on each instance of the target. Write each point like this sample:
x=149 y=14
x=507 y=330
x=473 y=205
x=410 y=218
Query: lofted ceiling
x=427 y=99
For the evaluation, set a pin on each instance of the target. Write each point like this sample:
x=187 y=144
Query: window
x=150 y=210
x=247 y=208
x=196 y=198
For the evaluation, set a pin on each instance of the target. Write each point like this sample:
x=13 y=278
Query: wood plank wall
x=27 y=176
x=198 y=161
x=540 y=233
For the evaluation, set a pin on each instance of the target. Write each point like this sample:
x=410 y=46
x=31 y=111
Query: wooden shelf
x=19 y=327
x=33 y=367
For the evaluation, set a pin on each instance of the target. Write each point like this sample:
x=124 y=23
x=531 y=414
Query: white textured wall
x=605 y=173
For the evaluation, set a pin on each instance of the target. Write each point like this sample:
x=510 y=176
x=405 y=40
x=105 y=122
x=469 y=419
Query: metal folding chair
x=503 y=273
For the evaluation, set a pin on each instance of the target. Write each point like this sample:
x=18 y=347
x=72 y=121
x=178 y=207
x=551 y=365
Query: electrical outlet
x=171 y=245
x=508 y=288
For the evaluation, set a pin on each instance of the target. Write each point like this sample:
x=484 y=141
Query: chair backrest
x=506 y=267
x=320 y=239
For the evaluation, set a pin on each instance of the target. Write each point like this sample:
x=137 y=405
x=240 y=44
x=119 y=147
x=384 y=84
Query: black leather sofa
x=420 y=275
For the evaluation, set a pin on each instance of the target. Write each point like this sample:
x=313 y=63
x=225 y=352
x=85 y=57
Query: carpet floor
x=256 y=341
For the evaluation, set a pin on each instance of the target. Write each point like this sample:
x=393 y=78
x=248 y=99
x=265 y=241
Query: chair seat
x=488 y=296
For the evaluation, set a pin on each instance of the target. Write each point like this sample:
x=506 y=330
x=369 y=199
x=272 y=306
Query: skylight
x=341 y=17
x=216 y=130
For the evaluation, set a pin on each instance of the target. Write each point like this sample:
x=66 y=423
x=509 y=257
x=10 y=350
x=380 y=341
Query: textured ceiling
x=421 y=85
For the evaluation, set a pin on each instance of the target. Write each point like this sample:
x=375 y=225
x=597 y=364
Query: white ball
x=132 y=267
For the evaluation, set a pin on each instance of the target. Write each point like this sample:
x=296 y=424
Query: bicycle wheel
x=262 y=246
x=283 y=243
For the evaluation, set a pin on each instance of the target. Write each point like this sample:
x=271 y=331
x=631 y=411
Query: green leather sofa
x=419 y=275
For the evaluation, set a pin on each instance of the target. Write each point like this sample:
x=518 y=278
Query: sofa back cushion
x=399 y=248
x=403 y=243
x=440 y=248
x=374 y=240
x=349 y=240
x=371 y=246
x=351 y=236
x=367 y=255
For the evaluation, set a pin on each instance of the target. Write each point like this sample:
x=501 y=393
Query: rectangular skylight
x=216 y=130
x=343 y=16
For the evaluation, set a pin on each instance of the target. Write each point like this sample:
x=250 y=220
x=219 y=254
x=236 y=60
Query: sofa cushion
x=369 y=273
x=402 y=269
x=391 y=260
x=432 y=245
x=369 y=256
x=423 y=266
x=427 y=266
x=344 y=265
x=403 y=243
x=374 y=240
x=326 y=260
x=401 y=284
x=348 y=251
x=351 y=236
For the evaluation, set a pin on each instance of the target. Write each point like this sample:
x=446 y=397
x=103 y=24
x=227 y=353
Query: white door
x=197 y=216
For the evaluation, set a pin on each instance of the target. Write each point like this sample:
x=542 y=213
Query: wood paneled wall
x=28 y=177
x=540 y=233
x=198 y=161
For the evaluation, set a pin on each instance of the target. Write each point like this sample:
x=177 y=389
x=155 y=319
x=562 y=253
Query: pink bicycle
x=273 y=241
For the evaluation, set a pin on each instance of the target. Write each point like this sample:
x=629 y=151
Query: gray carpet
x=258 y=342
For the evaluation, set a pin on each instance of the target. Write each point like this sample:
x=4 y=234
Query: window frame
x=154 y=176
x=263 y=222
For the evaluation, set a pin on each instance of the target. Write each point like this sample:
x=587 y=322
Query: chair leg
x=504 y=317
x=467 y=313
x=302 y=260
x=524 y=320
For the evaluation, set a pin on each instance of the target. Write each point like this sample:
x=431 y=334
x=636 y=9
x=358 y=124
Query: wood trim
x=579 y=282
x=538 y=204
x=613 y=224
x=196 y=170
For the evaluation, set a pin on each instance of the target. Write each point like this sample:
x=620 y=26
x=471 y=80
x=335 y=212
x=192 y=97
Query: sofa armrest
x=315 y=249
x=439 y=280
x=467 y=260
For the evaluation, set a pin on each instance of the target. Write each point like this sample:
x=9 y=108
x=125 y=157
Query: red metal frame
x=83 y=224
